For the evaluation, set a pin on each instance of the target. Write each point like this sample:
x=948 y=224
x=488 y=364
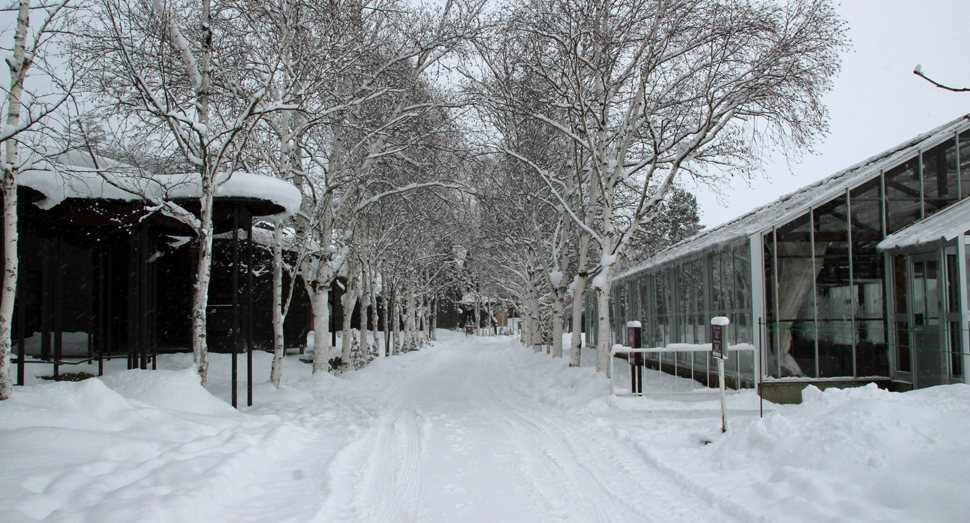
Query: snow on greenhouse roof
x=78 y=179
x=944 y=225
x=794 y=204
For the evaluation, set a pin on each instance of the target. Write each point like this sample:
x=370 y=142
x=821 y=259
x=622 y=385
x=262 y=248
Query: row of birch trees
x=518 y=154
x=597 y=109
x=339 y=98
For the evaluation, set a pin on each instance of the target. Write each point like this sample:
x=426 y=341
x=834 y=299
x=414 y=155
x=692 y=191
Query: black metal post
x=235 y=298
x=108 y=307
x=45 y=302
x=101 y=310
x=153 y=316
x=58 y=309
x=133 y=316
x=144 y=295
x=21 y=331
x=249 y=312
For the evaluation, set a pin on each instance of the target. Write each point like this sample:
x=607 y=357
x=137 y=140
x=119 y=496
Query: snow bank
x=861 y=454
x=156 y=446
x=136 y=446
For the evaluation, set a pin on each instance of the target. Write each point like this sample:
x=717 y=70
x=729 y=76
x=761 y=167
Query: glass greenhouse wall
x=804 y=279
x=826 y=304
x=675 y=303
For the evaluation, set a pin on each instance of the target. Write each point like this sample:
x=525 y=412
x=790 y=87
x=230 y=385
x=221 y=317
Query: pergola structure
x=114 y=274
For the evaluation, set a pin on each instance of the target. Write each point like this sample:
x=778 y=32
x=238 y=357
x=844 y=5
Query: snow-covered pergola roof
x=79 y=180
x=945 y=225
x=799 y=202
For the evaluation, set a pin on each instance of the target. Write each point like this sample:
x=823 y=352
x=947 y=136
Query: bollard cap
x=720 y=320
x=634 y=324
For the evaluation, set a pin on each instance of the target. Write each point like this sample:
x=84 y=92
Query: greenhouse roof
x=945 y=225
x=789 y=206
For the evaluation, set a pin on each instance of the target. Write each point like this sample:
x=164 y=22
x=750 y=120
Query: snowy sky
x=877 y=102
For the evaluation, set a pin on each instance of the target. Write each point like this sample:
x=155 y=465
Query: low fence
x=705 y=348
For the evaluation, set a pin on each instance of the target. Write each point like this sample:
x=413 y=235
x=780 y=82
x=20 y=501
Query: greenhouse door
x=926 y=328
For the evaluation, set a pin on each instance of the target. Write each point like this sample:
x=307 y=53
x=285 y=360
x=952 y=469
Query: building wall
x=675 y=303
x=833 y=305
x=833 y=300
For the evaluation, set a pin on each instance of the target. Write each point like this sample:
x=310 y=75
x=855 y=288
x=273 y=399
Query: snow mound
x=861 y=450
x=179 y=390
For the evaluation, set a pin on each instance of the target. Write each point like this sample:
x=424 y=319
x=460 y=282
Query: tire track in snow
x=377 y=478
x=554 y=475
x=614 y=482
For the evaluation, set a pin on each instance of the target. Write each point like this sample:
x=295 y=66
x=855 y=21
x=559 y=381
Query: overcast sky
x=877 y=102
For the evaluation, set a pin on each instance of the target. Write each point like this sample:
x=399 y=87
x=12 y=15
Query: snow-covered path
x=454 y=440
x=472 y=429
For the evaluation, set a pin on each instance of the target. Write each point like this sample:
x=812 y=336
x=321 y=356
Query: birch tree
x=25 y=111
x=396 y=47
x=173 y=76
x=659 y=89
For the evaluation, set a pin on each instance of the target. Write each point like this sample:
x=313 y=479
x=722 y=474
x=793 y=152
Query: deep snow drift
x=472 y=429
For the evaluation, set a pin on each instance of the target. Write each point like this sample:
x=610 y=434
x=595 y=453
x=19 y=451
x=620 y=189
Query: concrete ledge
x=790 y=392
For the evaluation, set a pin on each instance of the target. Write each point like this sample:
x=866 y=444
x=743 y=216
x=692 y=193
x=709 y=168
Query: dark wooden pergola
x=95 y=266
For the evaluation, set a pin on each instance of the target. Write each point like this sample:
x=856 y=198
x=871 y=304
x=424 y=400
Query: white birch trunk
x=364 y=301
x=397 y=342
x=557 y=313
x=18 y=71
x=387 y=325
x=525 y=323
x=349 y=302
x=409 y=317
x=434 y=319
x=319 y=298
x=604 y=332
x=576 y=340
x=426 y=322
x=478 y=313
x=374 y=318
x=276 y=371
x=200 y=299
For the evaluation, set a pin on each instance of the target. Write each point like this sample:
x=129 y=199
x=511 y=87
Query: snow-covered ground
x=472 y=429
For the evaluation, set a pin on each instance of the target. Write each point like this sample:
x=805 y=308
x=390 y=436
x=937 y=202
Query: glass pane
x=796 y=304
x=901 y=306
x=930 y=360
x=964 y=164
x=771 y=363
x=872 y=357
x=940 y=176
x=833 y=286
x=900 y=284
x=956 y=342
x=717 y=293
x=932 y=293
x=903 y=205
x=728 y=271
x=952 y=284
x=742 y=293
x=644 y=299
x=902 y=347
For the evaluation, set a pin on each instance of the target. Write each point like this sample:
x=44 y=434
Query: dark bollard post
x=633 y=340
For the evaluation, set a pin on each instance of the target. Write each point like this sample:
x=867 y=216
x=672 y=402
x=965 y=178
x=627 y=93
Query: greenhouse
x=859 y=277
